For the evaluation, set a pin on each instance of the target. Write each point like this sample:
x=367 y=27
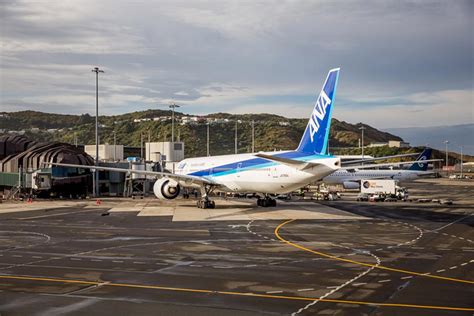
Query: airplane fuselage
x=341 y=176
x=248 y=173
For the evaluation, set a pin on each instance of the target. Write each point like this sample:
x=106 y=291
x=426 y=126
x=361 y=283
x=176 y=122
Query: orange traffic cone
x=98 y=202
x=29 y=201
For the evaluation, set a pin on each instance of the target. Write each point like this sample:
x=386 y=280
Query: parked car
x=362 y=197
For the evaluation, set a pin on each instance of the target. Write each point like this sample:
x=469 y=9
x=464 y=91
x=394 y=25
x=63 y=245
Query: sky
x=403 y=63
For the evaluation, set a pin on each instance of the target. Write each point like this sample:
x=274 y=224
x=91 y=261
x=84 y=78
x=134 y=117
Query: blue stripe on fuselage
x=254 y=163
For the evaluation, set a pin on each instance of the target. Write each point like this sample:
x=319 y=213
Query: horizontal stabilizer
x=300 y=165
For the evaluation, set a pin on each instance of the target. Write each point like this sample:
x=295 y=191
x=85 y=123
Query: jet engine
x=351 y=185
x=166 y=189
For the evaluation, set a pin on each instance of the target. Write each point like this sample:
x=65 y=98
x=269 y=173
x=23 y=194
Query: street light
x=96 y=176
x=172 y=106
x=362 y=128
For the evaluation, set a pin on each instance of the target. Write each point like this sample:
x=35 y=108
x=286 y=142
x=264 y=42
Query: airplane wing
x=300 y=165
x=187 y=179
x=350 y=162
x=386 y=164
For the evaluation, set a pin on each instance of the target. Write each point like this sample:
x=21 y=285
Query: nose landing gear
x=266 y=202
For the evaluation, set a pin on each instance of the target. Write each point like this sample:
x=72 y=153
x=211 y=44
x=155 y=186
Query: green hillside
x=272 y=132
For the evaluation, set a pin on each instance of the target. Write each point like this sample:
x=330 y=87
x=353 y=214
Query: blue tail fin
x=315 y=137
x=421 y=166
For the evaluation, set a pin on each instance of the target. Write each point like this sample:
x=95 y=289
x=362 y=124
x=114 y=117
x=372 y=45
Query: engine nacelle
x=166 y=189
x=351 y=185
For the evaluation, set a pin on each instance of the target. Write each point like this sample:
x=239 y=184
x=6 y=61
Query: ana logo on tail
x=319 y=112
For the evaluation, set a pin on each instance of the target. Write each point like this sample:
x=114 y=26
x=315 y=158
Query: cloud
x=240 y=56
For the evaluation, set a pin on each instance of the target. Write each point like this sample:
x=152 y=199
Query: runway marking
x=75 y=259
x=117 y=261
x=57 y=214
x=454 y=267
x=406 y=277
x=305 y=290
x=463 y=264
x=358 y=284
x=274 y=292
x=383 y=281
x=17 y=256
x=230 y=293
x=442 y=270
x=361 y=263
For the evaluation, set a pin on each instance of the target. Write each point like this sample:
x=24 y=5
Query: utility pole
x=362 y=128
x=446 y=142
x=236 y=136
x=461 y=162
x=96 y=176
x=141 y=145
x=207 y=139
x=253 y=136
x=172 y=107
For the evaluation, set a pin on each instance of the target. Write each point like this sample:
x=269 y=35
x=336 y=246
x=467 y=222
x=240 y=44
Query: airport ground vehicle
x=389 y=188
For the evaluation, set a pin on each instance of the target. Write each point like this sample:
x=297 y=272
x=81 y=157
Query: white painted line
x=139 y=262
x=75 y=259
x=442 y=270
x=472 y=260
x=304 y=290
x=407 y=277
x=161 y=264
x=463 y=264
x=383 y=281
x=96 y=260
x=17 y=256
x=332 y=287
x=251 y=265
x=454 y=267
x=461 y=238
x=357 y=284
x=117 y=261
x=195 y=265
x=274 y=292
x=458 y=220
x=467 y=249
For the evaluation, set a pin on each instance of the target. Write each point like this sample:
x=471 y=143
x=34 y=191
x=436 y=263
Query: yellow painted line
x=277 y=234
x=283 y=297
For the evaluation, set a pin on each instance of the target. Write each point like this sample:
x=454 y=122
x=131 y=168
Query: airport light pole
x=362 y=128
x=207 y=138
x=236 y=136
x=115 y=144
x=253 y=136
x=446 y=142
x=172 y=106
x=96 y=176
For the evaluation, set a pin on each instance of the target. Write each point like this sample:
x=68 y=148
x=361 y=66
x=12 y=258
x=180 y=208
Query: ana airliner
x=264 y=173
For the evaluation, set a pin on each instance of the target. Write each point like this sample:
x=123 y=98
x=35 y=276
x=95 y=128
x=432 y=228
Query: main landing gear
x=205 y=202
x=266 y=202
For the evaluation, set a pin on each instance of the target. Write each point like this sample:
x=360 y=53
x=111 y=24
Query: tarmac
x=148 y=257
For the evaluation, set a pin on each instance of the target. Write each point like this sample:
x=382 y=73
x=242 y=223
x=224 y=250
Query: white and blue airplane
x=264 y=173
x=351 y=177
